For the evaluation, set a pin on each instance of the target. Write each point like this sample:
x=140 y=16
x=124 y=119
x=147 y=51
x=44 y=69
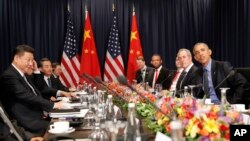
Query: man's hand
x=52 y=98
x=58 y=105
x=68 y=94
x=37 y=139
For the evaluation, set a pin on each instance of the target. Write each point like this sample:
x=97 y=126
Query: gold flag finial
x=68 y=7
x=113 y=7
x=86 y=9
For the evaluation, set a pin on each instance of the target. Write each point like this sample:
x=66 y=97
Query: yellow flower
x=192 y=128
x=210 y=125
x=193 y=131
x=160 y=121
x=180 y=111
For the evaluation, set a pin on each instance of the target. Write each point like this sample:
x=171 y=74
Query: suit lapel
x=213 y=72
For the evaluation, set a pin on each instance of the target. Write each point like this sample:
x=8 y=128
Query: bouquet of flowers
x=200 y=122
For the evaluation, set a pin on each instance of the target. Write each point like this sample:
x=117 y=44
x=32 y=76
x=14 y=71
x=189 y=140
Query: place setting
x=61 y=127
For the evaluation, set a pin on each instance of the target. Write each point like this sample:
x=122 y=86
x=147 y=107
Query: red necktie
x=156 y=75
x=176 y=75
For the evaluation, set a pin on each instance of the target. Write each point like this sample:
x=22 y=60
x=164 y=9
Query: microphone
x=85 y=75
x=98 y=80
x=231 y=73
x=121 y=79
x=170 y=74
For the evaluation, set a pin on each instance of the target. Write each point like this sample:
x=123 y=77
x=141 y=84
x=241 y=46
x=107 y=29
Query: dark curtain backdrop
x=164 y=26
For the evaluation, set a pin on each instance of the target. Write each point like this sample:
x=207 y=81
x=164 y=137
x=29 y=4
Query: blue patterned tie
x=205 y=82
x=49 y=82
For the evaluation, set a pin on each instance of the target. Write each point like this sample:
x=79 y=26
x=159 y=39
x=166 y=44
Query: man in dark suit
x=159 y=74
x=6 y=132
x=187 y=76
x=57 y=69
x=212 y=73
x=142 y=74
x=175 y=75
x=21 y=99
x=50 y=86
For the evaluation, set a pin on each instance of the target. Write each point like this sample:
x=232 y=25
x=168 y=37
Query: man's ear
x=210 y=52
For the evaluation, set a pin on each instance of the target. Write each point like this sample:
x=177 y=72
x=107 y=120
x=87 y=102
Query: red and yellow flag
x=89 y=58
x=135 y=50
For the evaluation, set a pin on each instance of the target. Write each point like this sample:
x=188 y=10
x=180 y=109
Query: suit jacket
x=5 y=133
x=139 y=75
x=189 y=79
x=22 y=104
x=47 y=91
x=219 y=71
x=163 y=78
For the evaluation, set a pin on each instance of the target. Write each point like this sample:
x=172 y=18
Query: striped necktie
x=33 y=90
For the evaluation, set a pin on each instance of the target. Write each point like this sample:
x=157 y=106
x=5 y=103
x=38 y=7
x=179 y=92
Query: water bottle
x=176 y=130
x=132 y=130
x=110 y=113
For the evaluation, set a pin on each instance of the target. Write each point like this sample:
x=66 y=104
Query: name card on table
x=162 y=137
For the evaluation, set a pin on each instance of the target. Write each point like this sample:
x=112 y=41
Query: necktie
x=205 y=82
x=143 y=73
x=155 y=78
x=180 y=80
x=176 y=76
x=156 y=75
x=33 y=90
x=49 y=82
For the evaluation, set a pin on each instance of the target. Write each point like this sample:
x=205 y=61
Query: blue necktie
x=49 y=82
x=205 y=83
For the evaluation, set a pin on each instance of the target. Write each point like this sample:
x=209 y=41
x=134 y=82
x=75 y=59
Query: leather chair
x=245 y=71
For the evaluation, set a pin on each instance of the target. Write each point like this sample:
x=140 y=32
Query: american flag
x=113 y=63
x=70 y=59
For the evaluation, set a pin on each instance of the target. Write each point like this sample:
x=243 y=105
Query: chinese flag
x=134 y=51
x=89 y=58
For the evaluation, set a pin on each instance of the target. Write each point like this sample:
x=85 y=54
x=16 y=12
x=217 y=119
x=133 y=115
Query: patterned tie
x=205 y=82
x=49 y=82
x=33 y=90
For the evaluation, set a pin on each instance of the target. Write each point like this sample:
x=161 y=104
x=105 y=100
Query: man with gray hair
x=187 y=76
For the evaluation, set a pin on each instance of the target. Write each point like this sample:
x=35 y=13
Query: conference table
x=78 y=122
x=81 y=132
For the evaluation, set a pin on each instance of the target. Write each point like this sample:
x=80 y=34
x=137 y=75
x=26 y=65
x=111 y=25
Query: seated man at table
x=187 y=77
x=176 y=75
x=142 y=74
x=215 y=75
x=57 y=70
x=47 y=83
x=6 y=133
x=21 y=99
x=159 y=74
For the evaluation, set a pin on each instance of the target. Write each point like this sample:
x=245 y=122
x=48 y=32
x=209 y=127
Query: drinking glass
x=158 y=89
x=191 y=92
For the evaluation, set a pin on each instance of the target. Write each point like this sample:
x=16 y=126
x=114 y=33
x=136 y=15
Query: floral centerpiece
x=200 y=122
